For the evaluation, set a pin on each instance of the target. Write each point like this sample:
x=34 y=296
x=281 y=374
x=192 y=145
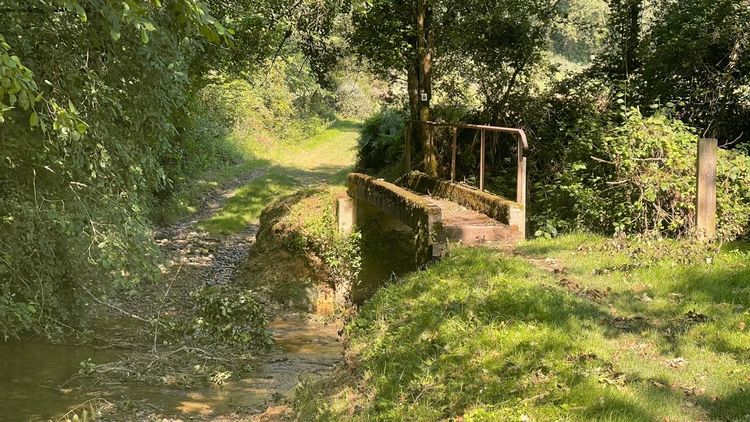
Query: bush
x=639 y=177
x=381 y=144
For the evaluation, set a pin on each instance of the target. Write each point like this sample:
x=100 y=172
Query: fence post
x=454 y=153
x=407 y=146
x=521 y=176
x=521 y=187
x=481 y=160
x=706 y=190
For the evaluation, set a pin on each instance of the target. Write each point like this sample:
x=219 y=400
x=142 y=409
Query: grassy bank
x=576 y=328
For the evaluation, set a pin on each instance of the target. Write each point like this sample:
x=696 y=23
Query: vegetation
x=289 y=166
x=232 y=318
x=108 y=108
x=575 y=328
x=381 y=143
x=639 y=177
x=219 y=119
x=584 y=105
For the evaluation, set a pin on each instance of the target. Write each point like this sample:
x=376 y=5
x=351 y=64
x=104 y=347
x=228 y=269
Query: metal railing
x=522 y=145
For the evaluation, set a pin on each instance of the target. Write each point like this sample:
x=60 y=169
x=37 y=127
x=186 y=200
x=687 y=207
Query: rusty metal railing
x=522 y=145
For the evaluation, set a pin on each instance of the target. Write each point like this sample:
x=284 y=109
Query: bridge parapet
x=503 y=210
x=417 y=212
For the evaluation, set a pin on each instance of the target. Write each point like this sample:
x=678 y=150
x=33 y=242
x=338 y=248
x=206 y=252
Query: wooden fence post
x=454 y=153
x=706 y=191
x=481 y=160
x=521 y=186
x=521 y=177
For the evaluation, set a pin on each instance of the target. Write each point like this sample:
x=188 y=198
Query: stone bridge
x=435 y=210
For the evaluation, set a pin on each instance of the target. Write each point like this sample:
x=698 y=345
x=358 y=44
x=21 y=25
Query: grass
x=285 y=167
x=575 y=328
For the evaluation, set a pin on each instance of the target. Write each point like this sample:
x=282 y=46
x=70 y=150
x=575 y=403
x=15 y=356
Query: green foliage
x=104 y=114
x=74 y=196
x=17 y=86
x=318 y=235
x=581 y=31
x=358 y=92
x=639 y=177
x=286 y=104
x=695 y=56
x=230 y=317
x=502 y=51
x=381 y=143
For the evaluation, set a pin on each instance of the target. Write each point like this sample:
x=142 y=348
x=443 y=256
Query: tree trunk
x=625 y=28
x=425 y=43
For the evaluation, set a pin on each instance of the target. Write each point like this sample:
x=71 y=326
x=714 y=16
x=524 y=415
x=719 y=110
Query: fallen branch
x=118 y=309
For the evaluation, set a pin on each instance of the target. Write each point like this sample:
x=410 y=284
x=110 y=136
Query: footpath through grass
x=282 y=168
x=577 y=328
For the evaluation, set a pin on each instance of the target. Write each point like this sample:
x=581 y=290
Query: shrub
x=639 y=177
x=381 y=142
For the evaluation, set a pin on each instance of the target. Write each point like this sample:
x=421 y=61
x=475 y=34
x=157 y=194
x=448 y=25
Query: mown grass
x=323 y=159
x=283 y=166
x=576 y=328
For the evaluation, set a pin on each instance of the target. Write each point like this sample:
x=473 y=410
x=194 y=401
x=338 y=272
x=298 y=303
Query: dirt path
x=302 y=346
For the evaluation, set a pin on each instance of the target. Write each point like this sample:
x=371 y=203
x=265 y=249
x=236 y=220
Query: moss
x=486 y=203
x=424 y=217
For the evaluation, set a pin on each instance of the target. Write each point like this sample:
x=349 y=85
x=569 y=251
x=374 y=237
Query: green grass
x=323 y=159
x=191 y=191
x=577 y=328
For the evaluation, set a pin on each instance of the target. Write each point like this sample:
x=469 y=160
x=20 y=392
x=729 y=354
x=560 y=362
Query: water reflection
x=31 y=372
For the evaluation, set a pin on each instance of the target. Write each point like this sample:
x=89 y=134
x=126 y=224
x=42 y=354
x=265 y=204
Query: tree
x=399 y=39
x=94 y=99
x=624 y=37
x=695 y=59
x=497 y=44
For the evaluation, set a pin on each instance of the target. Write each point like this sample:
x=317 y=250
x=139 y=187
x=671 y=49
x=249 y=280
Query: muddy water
x=31 y=374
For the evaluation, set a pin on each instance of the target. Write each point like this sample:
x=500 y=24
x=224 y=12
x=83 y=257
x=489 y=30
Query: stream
x=32 y=372
x=35 y=375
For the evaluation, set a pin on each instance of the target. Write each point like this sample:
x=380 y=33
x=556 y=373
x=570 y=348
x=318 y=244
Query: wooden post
x=431 y=154
x=521 y=188
x=706 y=191
x=407 y=146
x=454 y=153
x=481 y=160
x=521 y=177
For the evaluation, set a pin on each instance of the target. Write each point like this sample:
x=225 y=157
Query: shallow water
x=32 y=372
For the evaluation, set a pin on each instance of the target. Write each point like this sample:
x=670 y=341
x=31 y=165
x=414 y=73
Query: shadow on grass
x=514 y=335
x=480 y=330
x=245 y=205
x=731 y=407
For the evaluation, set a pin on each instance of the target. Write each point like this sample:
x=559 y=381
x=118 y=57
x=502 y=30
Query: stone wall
x=422 y=216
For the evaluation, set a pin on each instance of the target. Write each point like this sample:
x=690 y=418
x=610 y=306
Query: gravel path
x=215 y=257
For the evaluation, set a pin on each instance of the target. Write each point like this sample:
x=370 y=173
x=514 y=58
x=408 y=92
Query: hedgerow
x=639 y=177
